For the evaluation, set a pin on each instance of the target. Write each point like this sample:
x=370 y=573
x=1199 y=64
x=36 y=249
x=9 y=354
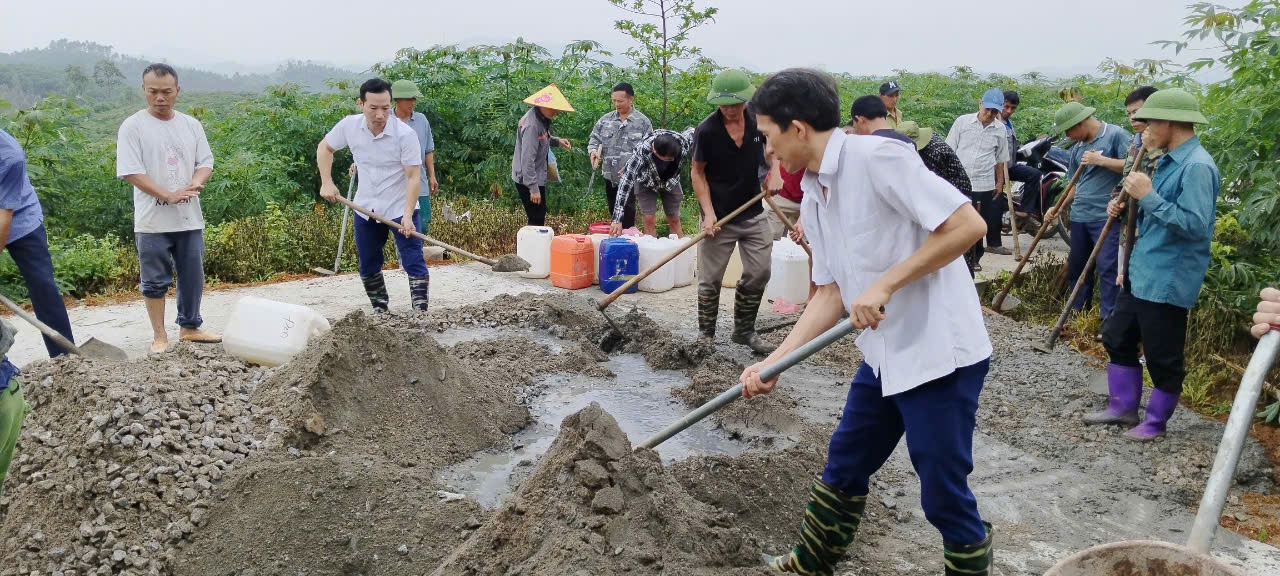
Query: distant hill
x=91 y=69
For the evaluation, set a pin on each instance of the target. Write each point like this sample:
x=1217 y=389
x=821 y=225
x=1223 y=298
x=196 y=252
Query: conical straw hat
x=549 y=97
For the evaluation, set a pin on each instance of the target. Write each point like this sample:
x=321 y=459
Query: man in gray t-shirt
x=165 y=155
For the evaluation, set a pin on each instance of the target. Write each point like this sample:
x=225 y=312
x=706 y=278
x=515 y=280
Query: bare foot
x=159 y=345
x=198 y=335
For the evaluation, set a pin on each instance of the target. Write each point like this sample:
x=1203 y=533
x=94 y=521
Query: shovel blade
x=1009 y=303
x=95 y=348
x=323 y=271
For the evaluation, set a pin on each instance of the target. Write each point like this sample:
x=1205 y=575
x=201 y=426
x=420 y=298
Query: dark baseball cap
x=889 y=88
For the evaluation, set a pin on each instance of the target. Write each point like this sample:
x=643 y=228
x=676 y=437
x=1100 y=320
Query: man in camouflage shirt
x=613 y=139
x=652 y=171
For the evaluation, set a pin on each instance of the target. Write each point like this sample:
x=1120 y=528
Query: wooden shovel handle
x=415 y=233
x=619 y=291
x=786 y=222
x=1044 y=226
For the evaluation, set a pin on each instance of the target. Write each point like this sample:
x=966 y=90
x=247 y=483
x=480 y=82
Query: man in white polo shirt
x=887 y=238
x=388 y=160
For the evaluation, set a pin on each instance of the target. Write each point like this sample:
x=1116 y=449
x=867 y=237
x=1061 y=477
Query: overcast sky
x=857 y=36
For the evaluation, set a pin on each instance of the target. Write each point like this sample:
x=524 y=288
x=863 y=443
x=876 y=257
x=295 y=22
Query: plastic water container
x=789 y=272
x=733 y=272
x=596 y=239
x=653 y=250
x=270 y=333
x=598 y=228
x=619 y=261
x=571 y=263
x=533 y=243
x=686 y=264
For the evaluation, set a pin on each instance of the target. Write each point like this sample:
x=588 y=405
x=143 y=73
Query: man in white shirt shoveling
x=887 y=238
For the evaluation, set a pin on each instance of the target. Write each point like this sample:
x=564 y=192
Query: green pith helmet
x=730 y=87
x=404 y=89
x=1069 y=115
x=912 y=130
x=1174 y=105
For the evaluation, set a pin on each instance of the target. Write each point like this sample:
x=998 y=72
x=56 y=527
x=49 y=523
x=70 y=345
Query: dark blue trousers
x=371 y=237
x=938 y=419
x=1084 y=236
x=31 y=254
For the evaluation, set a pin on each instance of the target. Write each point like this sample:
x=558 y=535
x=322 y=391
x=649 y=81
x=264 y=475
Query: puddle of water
x=455 y=336
x=639 y=398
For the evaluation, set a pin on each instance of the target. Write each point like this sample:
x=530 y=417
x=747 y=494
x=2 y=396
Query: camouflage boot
x=708 y=309
x=376 y=287
x=968 y=560
x=746 y=305
x=420 y=292
x=830 y=521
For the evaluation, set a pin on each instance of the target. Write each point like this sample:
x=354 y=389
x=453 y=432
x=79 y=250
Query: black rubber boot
x=968 y=560
x=708 y=310
x=420 y=292
x=376 y=287
x=830 y=522
x=746 y=305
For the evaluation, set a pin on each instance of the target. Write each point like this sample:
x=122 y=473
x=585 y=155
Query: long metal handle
x=1237 y=430
x=1013 y=214
x=1057 y=206
x=342 y=235
x=429 y=240
x=619 y=291
x=840 y=330
x=41 y=326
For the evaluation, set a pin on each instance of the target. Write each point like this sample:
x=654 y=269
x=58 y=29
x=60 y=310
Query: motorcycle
x=1052 y=163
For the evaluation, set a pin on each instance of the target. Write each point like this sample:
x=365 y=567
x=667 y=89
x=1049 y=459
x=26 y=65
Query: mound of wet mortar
x=367 y=388
x=117 y=461
x=329 y=515
x=593 y=506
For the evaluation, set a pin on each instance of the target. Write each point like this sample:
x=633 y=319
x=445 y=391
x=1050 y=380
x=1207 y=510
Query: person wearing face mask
x=653 y=171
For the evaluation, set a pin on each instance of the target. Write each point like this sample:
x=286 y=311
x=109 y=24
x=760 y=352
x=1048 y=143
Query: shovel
x=429 y=240
x=1013 y=214
x=342 y=236
x=840 y=330
x=619 y=291
x=786 y=222
x=1052 y=340
x=92 y=348
x=1005 y=302
x=1152 y=557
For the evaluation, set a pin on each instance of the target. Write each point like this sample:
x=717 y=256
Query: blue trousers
x=161 y=255
x=1084 y=236
x=371 y=237
x=938 y=419
x=31 y=254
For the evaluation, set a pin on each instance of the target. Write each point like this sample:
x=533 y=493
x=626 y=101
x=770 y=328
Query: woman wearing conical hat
x=533 y=146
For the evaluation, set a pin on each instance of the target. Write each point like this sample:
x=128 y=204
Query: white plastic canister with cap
x=270 y=333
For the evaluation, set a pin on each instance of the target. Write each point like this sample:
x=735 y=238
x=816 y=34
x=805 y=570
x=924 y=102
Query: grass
x=1218 y=344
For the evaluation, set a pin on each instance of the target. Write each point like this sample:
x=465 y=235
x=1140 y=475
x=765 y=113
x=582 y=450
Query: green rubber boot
x=969 y=560
x=830 y=521
x=708 y=310
x=376 y=287
x=13 y=410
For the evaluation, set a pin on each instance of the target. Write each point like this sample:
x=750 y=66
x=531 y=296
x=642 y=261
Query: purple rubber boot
x=1159 y=409
x=1125 y=383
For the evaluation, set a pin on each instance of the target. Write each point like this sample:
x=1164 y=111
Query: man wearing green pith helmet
x=1176 y=208
x=406 y=95
x=728 y=169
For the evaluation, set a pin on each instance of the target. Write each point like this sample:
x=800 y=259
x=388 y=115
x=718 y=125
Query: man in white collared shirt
x=388 y=159
x=887 y=238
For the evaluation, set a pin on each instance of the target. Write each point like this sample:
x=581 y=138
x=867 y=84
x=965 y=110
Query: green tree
x=106 y=75
x=664 y=39
x=77 y=82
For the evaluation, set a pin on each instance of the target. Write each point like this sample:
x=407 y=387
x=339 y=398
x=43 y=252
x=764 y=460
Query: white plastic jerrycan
x=789 y=272
x=270 y=333
x=533 y=243
x=686 y=264
x=653 y=250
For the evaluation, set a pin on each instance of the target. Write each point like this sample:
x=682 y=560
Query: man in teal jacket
x=1176 y=209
